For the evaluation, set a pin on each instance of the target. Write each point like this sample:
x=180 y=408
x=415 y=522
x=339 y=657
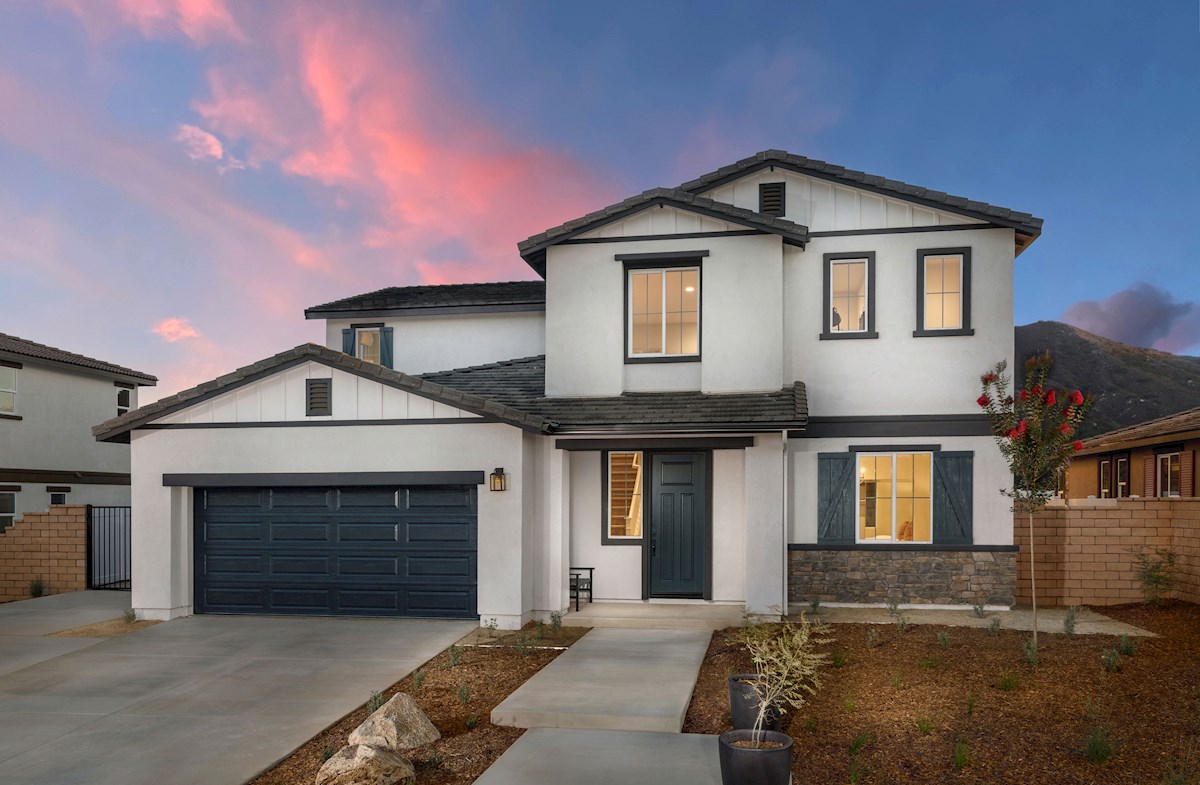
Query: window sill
x=941 y=333
x=620 y=541
x=827 y=336
x=689 y=358
x=899 y=546
x=11 y=417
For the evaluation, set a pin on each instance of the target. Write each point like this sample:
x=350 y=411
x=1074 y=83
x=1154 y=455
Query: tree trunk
x=1033 y=582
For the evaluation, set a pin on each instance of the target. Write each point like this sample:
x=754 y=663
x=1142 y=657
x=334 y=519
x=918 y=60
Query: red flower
x=983 y=400
x=1078 y=446
x=1021 y=427
x=1077 y=398
x=988 y=377
x=1051 y=398
x=1037 y=389
x=1024 y=395
x=1068 y=412
x=1013 y=434
x=1065 y=428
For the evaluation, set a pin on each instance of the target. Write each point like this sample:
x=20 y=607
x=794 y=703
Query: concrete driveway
x=205 y=699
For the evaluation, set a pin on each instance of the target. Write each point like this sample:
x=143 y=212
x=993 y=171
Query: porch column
x=766 y=544
x=557 y=537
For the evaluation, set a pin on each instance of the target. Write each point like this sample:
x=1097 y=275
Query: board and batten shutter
x=953 y=497
x=835 y=498
x=1149 y=476
x=1187 y=474
x=385 y=347
x=348 y=341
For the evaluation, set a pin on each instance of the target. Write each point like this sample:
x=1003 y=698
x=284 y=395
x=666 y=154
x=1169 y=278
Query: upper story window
x=895 y=497
x=8 y=390
x=1168 y=474
x=124 y=400
x=369 y=342
x=664 y=312
x=943 y=292
x=366 y=344
x=849 y=296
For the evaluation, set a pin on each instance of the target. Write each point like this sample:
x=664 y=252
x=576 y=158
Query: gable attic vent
x=771 y=199
x=318 y=397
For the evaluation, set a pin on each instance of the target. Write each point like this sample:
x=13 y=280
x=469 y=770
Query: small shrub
x=541 y=630
x=839 y=659
x=464 y=693
x=924 y=726
x=786 y=661
x=810 y=724
x=979 y=611
x=1111 y=659
x=1098 y=747
x=1030 y=649
x=374 y=702
x=857 y=771
x=523 y=646
x=815 y=605
x=943 y=638
x=872 y=638
x=962 y=755
x=903 y=623
x=994 y=628
x=1069 y=621
x=130 y=615
x=849 y=705
x=1008 y=683
x=859 y=742
x=1155 y=570
x=893 y=606
x=970 y=705
x=418 y=679
x=928 y=664
x=472 y=721
x=492 y=625
x=327 y=752
x=555 y=622
x=896 y=683
x=455 y=651
x=1185 y=770
x=37 y=587
x=1127 y=646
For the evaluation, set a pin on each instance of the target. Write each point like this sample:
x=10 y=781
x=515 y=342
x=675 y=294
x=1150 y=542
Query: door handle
x=653 y=545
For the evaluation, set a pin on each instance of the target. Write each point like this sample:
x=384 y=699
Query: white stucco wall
x=423 y=344
x=992 y=520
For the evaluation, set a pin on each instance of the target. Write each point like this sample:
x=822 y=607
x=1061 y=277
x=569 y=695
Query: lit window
x=124 y=400
x=624 y=495
x=664 y=312
x=1168 y=474
x=1105 y=479
x=848 y=296
x=943 y=292
x=366 y=344
x=8 y=390
x=894 y=499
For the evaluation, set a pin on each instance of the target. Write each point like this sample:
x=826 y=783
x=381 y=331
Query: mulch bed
x=105 y=629
x=1032 y=734
x=469 y=743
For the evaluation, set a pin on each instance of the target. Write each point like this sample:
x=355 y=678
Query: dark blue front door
x=678 y=558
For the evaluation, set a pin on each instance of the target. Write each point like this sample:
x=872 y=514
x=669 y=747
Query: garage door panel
x=326 y=557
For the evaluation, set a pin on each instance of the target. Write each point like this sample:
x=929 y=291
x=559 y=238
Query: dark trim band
x=11 y=364
x=637 y=238
x=10 y=488
x=311 y=423
x=438 y=310
x=904 y=230
x=661 y=256
x=58 y=489
x=816 y=546
x=894 y=448
x=11 y=417
x=52 y=476
x=895 y=425
x=320 y=479
x=669 y=358
x=711 y=443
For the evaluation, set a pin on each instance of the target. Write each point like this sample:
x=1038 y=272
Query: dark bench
x=581 y=584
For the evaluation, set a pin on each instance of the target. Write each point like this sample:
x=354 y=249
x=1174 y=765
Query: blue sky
x=178 y=181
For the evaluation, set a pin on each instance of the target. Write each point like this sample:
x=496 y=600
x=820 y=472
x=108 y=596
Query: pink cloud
x=175 y=329
x=201 y=21
x=199 y=144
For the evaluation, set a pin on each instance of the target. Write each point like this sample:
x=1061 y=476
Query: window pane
x=1173 y=469
x=943 y=292
x=368 y=345
x=922 y=521
x=674 y=333
x=637 y=300
x=848 y=296
x=8 y=503
x=1122 y=477
x=123 y=398
x=952 y=310
x=674 y=284
x=654 y=336
x=952 y=274
x=625 y=494
x=8 y=402
x=691 y=290
x=8 y=378
x=691 y=333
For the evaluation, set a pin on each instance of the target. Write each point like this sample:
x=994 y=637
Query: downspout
x=784 y=502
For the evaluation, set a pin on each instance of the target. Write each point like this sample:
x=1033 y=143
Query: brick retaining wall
x=1083 y=549
x=48 y=545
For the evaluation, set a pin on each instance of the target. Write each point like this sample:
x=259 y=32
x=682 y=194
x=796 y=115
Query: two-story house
x=49 y=401
x=755 y=388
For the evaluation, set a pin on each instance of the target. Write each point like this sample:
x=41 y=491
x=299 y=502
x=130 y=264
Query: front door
x=677 y=561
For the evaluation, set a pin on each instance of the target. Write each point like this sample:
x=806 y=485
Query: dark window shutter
x=771 y=199
x=835 y=497
x=318 y=397
x=953 y=497
x=348 y=341
x=1187 y=474
x=1150 y=477
x=385 y=347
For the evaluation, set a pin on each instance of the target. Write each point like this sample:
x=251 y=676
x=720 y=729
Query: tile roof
x=118 y=428
x=499 y=295
x=1154 y=431
x=533 y=249
x=1023 y=222
x=521 y=384
x=25 y=348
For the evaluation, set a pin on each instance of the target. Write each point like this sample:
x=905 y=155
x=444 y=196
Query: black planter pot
x=743 y=704
x=749 y=766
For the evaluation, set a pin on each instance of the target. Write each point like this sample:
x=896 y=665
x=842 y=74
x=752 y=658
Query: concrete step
x=662 y=616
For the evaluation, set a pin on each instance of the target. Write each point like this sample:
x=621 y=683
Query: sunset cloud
x=175 y=329
x=1142 y=315
x=199 y=144
x=201 y=21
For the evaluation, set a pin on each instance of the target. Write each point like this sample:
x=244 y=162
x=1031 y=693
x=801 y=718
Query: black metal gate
x=108 y=548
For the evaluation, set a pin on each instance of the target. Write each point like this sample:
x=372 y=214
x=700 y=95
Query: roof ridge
x=487 y=366
x=71 y=358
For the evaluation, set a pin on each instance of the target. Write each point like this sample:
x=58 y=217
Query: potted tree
x=786 y=665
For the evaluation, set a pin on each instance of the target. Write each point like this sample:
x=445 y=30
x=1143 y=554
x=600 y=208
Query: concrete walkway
x=1088 y=622
x=24 y=624
x=617 y=679
x=546 y=756
x=210 y=700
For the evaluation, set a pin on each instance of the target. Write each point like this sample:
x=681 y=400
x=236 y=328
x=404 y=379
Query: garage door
x=357 y=551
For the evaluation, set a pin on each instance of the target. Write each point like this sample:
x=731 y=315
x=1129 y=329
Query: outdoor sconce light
x=499 y=483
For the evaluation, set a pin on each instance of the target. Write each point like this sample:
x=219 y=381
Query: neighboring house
x=752 y=389
x=49 y=401
x=1154 y=458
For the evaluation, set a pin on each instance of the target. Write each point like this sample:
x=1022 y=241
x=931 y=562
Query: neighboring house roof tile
x=521 y=384
x=1158 y=431
x=1023 y=222
x=526 y=295
x=533 y=249
x=118 y=428
x=38 y=351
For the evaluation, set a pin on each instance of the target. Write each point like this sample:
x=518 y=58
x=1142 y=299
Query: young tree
x=1035 y=430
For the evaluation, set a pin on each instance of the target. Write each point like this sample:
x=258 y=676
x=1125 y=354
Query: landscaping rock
x=398 y=725
x=362 y=765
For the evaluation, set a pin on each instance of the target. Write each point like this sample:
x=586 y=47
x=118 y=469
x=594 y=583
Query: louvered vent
x=771 y=199
x=319 y=397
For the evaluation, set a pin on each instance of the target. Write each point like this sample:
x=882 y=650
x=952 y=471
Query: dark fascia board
x=59 y=476
x=649 y=429
x=320 y=479
x=863 y=546
x=661 y=256
x=896 y=425
x=697 y=443
x=438 y=310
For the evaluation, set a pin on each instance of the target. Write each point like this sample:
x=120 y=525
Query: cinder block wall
x=48 y=545
x=1083 y=549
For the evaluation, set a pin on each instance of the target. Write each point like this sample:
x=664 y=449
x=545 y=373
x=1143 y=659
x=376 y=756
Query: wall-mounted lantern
x=499 y=482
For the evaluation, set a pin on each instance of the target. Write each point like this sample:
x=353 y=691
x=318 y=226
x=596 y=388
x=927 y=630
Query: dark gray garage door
x=358 y=551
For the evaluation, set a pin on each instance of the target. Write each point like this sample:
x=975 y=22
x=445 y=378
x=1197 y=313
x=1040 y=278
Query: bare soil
x=469 y=743
x=105 y=629
x=1033 y=733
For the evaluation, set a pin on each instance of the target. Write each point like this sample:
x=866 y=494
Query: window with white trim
x=1168 y=474
x=8 y=507
x=1105 y=479
x=366 y=344
x=1122 y=478
x=124 y=400
x=58 y=497
x=664 y=312
x=8 y=390
x=624 y=503
x=895 y=500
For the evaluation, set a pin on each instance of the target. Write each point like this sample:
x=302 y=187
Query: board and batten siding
x=281 y=398
x=661 y=220
x=824 y=206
